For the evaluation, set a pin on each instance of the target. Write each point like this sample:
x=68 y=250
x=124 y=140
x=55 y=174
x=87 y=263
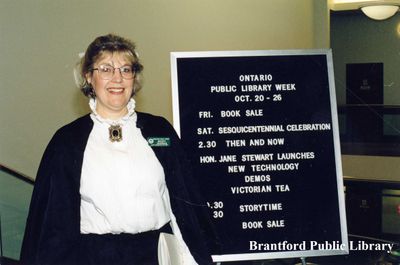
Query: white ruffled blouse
x=123 y=186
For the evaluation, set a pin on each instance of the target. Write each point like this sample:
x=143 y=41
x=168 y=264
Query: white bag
x=169 y=250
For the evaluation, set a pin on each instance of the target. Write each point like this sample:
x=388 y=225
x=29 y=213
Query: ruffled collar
x=130 y=115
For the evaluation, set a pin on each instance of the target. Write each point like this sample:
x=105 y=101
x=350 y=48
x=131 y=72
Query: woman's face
x=114 y=94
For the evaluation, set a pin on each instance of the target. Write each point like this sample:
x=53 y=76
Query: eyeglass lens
x=108 y=71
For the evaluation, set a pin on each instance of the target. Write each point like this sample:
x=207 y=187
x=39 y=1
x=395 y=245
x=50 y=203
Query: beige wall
x=371 y=167
x=40 y=41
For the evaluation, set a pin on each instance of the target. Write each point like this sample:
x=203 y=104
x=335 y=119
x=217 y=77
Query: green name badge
x=159 y=141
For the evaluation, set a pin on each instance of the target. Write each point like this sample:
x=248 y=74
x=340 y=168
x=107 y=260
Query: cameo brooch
x=115 y=132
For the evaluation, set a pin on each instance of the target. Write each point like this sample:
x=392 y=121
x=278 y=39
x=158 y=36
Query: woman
x=111 y=181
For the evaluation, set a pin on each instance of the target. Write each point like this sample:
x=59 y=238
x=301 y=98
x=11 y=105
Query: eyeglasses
x=107 y=72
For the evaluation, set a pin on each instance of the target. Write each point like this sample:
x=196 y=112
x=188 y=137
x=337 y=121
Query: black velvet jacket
x=52 y=234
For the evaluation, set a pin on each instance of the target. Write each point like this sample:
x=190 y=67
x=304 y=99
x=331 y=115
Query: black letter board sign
x=261 y=130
